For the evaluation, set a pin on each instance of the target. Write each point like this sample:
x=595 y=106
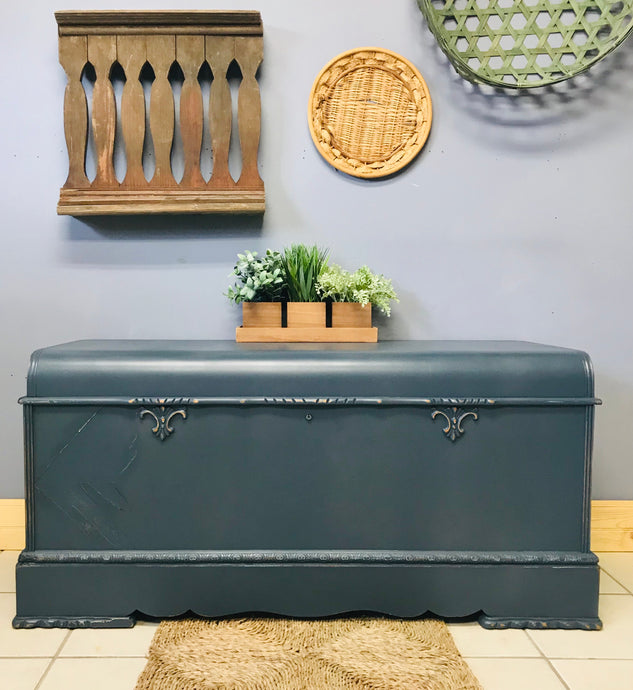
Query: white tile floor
x=501 y=659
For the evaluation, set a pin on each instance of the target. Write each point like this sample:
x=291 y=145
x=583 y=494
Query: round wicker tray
x=369 y=112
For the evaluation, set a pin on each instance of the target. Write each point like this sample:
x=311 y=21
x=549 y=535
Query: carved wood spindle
x=138 y=40
x=220 y=52
x=190 y=56
x=73 y=55
x=131 y=54
x=161 y=53
x=102 y=55
x=249 y=54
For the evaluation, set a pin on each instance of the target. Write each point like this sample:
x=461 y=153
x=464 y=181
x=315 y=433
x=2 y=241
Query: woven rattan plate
x=369 y=112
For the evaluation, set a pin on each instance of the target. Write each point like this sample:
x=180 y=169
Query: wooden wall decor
x=135 y=40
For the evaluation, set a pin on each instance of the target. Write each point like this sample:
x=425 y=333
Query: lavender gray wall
x=514 y=222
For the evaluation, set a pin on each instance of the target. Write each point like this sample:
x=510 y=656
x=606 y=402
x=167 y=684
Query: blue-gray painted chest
x=309 y=480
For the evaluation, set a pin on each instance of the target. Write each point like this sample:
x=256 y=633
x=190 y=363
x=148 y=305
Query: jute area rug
x=367 y=653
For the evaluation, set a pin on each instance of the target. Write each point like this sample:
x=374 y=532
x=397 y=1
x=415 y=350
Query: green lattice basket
x=526 y=43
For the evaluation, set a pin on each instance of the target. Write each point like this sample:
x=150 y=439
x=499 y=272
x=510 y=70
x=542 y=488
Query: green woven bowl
x=526 y=43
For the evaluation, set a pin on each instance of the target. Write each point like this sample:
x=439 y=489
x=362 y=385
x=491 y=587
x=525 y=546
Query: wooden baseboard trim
x=611 y=525
x=12 y=523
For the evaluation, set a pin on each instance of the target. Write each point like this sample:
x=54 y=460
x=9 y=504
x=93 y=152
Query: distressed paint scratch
x=75 y=515
x=134 y=453
x=90 y=524
x=55 y=457
x=106 y=493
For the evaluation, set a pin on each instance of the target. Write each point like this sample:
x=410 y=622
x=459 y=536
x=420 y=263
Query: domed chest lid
x=128 y=369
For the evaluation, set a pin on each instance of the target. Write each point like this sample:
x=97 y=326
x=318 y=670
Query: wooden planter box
x=351 y=315
x=261 y=314
x=306 y=323
x=306 y=314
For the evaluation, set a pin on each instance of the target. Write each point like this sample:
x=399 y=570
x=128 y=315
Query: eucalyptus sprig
x=259 y=279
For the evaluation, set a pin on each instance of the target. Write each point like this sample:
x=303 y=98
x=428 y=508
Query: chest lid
x=189 y=368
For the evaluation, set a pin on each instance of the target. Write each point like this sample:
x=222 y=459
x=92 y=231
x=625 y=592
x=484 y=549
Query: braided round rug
x=367 y=653
x=369 y=112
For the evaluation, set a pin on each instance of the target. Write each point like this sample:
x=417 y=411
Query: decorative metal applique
x=163 y=414
x=455 y=415
x=310 y=401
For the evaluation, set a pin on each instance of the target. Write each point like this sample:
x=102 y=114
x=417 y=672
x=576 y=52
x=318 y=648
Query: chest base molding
x=556 y=588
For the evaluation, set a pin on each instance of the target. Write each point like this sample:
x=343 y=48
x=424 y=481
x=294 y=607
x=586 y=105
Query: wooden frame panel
x=162 y=39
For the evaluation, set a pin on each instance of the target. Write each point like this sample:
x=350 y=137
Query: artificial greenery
x=259 y=279
x=362 y=286
x=302 y=266
x=300 y=273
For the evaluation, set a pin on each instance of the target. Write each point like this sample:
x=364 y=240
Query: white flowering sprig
x=361 y=286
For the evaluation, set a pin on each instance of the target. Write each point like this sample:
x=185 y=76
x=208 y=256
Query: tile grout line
x=558 y=675
x=112 y=656
x=604 y=568
x=496 y=658
x=589 y=658
x=53 y=660
x=93 y=656
x=624 y=587
x=42 y=656
x=548 y=661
